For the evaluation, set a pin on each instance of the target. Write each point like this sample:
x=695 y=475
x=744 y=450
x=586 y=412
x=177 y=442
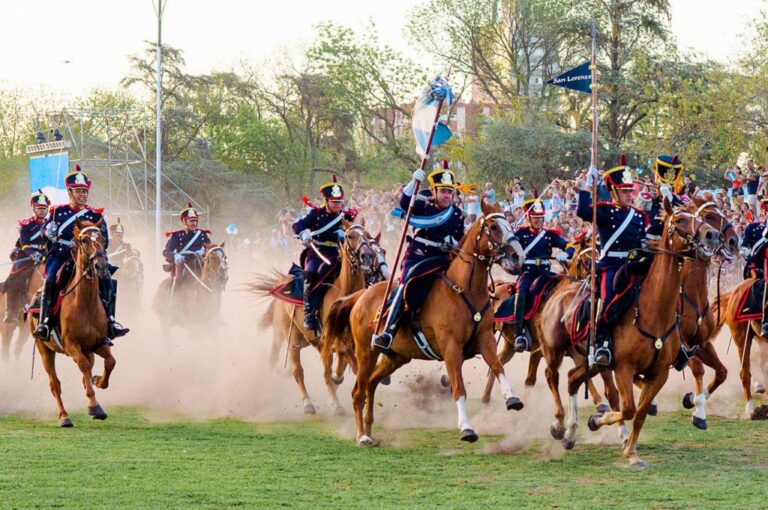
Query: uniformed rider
x=120 y=250
x=668 y=173
x=59 y=229
x=321 y=232
x=537 y=243
x=29 y=250
x=186 y=247
x=621 y=228
x=439 y=226
x=754 y=244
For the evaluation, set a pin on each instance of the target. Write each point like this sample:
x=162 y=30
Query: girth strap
x=699 y=315
x=658 y=341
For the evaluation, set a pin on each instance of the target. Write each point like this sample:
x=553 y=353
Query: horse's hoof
x=309 y=409
x=485 y=400
x=386 y=381
x=699 y=423
x=602 y=408
x=638 y=465
x=444 y=381
x=514 y=404
x=759 y=388
x=337 y=380
x=592 y=422
x=569 y=444
x=97 y=413
x=557 y=433
x=364 y=441
x=339 y=411
x=687 y=401
x=653 y=410
x=468 y=435
x=66 y=423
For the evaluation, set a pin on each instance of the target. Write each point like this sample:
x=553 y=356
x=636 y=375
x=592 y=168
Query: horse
x=178 y=299
x=357 y=259
x=7 y=329
x=455 y=317
x=82 y=322
x=131 y=282
x=697 y=319
x=637 y=353
x=507 y=352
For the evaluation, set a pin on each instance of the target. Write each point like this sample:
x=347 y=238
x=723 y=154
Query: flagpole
x=592 y=340
x=423 y=166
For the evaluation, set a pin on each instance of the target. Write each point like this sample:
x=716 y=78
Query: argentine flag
x=424 y=111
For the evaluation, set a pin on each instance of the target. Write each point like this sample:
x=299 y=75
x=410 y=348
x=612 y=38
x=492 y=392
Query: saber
x=198 y=279
x=320 y=255
x=15 y=261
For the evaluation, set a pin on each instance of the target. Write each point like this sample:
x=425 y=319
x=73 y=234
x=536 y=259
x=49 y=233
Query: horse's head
x=714 y=217
x=687 y=234
x=492 y=239
x=91 y=257
x=215 y=266
x=358 y=250
x=380 y=270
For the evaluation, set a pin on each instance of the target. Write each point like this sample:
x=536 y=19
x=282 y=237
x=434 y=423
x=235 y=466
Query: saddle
x=292 y=290
x=626 y=287
x=540 y=290
x=751 y=302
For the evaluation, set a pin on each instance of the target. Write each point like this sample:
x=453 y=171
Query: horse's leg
x=612 y=395
x=86 y=368
x=650 y=390
x=707 y=356
x=326 y=356
x=575 y=379
x=365 y=363
x=597 y=399
x=386 y=366
x=505 y=355
x=48 y=358
x=744 y=349
x=294 y=354
x=453 y=361
x=552 y=373
x=102 y=381
x=487 y=349
x=623 y=376
x=759 y=386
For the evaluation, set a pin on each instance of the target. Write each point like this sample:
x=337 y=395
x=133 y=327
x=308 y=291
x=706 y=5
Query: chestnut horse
x=7 y=329
x=697 y=317
x=82 y=322
x=358 y=260
x=178 y=300
x=635 y=354
x=456 y=322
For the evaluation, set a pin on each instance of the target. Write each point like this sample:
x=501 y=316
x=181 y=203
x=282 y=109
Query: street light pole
x=158 y=135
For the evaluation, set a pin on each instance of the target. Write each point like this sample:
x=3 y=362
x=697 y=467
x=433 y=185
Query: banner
x=579 y=78
x=47 y=173
x=424 y=115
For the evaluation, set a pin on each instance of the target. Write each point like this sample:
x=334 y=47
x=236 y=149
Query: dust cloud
x=225 y=372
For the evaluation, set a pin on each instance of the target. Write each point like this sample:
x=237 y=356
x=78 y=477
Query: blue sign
x=47 y=173
x=579 y=78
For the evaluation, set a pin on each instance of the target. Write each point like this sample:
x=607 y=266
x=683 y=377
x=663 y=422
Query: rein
x=90 y=269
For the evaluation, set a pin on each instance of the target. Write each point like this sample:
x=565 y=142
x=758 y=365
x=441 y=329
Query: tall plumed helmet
x=38 y=198
x=188 y=212
x=620 y=177
x=534 y=206
x=117 y=228
x=77 y=179
x=668 y=169
x=332 y=191
x=442 y=178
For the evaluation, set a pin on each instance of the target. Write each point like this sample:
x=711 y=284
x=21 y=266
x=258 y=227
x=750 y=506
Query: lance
x=423 y=166
x=592 y=339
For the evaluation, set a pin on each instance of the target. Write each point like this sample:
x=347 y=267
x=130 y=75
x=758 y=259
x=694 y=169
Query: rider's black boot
x=42 y=331
x=108 y=294
x=521 y=341
x=384 y=339
x=310 y=317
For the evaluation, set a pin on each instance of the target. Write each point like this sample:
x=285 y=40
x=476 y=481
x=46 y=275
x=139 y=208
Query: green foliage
x=134 y=460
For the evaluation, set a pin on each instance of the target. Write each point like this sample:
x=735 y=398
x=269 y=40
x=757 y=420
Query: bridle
x=494 y=247
x=724 y=224
x=94 y=233
x=221 y=276
x=355 y=256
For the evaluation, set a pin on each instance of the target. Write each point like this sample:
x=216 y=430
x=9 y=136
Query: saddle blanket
x=540 y=292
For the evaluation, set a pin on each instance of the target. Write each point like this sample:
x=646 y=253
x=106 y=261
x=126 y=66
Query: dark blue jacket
x=319 y=217
x=752 y=235
x=177 y=241
x=31 y=237
x=542 y=250
x=450 y=232
x=64 y=238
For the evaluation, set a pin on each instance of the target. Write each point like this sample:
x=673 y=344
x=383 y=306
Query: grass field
x=133 y=461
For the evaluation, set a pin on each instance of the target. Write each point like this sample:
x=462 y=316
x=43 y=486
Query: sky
x=75 y=45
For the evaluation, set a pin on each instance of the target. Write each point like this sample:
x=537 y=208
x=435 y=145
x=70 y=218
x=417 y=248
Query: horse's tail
x=336 y=328
x=262 y=284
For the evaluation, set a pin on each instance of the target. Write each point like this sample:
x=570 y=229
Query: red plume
x=189 y=204
x=535 y=193
x=77 y=167
x=334 y=177
x=623 y=161
x=306 y=201
x=675 y=160
x=445 y=164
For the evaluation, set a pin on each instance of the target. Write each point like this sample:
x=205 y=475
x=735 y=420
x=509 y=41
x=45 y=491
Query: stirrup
x=521 y=343
x=603 y=357
x=382 y=340
x=764 y=330
x=41 y=332
x=310 y=322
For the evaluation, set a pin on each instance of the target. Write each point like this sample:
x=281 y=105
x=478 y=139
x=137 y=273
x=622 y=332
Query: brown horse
x=697 y=318
x=286 y=319
x=82 y=322
x=507 y=352
x=456 y=322
x=7 y=329
x=637 y=353
x=178 y=299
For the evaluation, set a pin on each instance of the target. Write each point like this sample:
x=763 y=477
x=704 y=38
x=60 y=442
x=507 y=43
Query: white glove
x=305 y=236
x=340 y=234
x=418 y=175
x=178 y=259
x=51 y=229
x=666 y=192
x=561 y=257
x=745 y=252
x=592 y=176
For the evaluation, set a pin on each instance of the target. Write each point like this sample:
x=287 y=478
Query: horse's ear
x=667 y=206
x=362 y=222
x=222 y=244
x=100 y=222
x=489 y=208
x=699 y=201
x=377 y=237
